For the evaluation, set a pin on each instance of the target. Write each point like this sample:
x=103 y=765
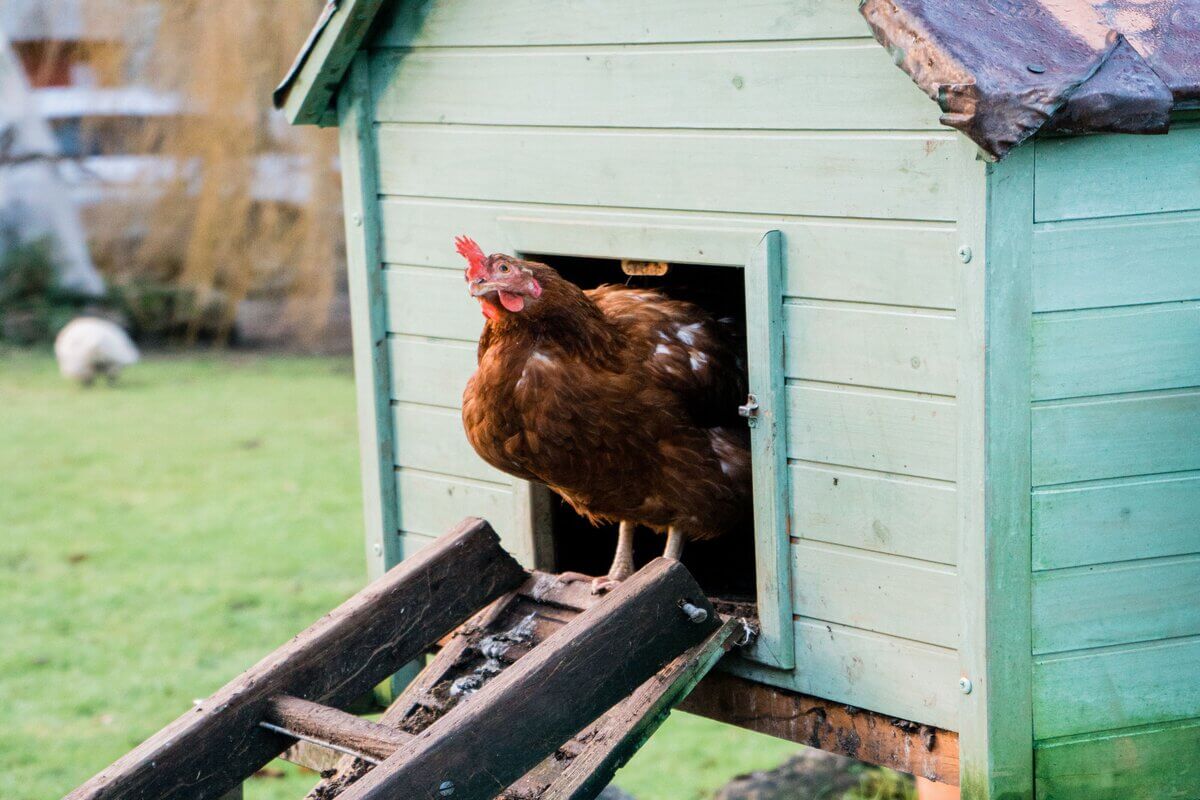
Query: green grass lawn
x=160 y=537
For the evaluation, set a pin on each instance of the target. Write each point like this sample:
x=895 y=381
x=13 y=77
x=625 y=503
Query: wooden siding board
x=884 y=348
x=856 y=175
x=905 y=679
x=433 y=504
x=1116 y=688
x=1155 y=763
x=434 y=303
x=430 y=371
x=1143 y=348
x=845 y=86
x=1114 y=262
x=1123 y=520
x=1116 y=437
x=768 y=449
x=357 y=146
x=1104 y=176
x=905 y=264
x=885 y=594
x=432 y=439
x=1103 y=605
x=875 y=511
x=993 y=476
x=903 y=434
x=459 y=23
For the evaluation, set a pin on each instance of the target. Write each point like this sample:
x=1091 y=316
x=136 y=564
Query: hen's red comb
x=474 y=255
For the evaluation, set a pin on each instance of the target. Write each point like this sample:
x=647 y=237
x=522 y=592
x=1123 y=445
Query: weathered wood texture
x=360 y=167
x=463 y=23
x=710 y=85
x=212 y=747
x=1079 y=178
x=595 y=660
x=919 y=749
x=581 y=771
x=1115 y=536
x=332 y=726
x=1155 y=763
x=768 y=452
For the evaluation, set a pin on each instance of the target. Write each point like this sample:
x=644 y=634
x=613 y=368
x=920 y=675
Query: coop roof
x=1001 y=70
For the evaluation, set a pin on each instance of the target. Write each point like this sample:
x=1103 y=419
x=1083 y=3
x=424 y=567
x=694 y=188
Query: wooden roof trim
x=307 y=93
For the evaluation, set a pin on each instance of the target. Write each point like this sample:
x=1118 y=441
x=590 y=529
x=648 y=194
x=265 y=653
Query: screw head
x=965 y=254
x=446 y=789
x=1036 y=69
x=965 y=684
x=378 y=548
x=358 y=220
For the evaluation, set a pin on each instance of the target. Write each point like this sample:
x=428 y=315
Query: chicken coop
x=971 y=298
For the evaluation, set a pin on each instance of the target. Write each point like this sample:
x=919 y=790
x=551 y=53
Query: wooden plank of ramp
x=527 y=711
x=210 y=749
x=580 y=769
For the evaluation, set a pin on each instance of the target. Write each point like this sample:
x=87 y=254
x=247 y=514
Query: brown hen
x=621 y=400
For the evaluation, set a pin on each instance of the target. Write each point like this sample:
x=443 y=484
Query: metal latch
x=750 y=410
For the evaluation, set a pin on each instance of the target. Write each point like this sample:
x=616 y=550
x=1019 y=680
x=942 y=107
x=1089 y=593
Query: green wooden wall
x=685 y=131
x=1115 y=463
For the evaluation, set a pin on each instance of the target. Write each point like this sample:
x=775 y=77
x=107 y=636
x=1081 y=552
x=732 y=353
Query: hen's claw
x=605 y=584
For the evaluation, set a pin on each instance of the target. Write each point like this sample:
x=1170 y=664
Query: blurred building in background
x=209 y=217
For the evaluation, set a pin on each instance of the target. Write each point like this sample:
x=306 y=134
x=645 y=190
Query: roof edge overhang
x=1002 y=77
x=308 y=93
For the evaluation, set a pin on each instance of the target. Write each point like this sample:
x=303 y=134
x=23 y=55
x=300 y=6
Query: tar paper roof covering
x=1003 y=70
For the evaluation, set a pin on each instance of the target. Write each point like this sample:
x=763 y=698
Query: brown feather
x=621 y=400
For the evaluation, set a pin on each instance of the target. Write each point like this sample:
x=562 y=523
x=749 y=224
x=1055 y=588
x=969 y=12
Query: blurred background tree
x=200 y=201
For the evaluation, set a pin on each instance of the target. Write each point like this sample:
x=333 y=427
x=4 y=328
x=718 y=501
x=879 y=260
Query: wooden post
x=213 y=747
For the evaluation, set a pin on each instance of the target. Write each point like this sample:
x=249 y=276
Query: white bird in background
x=89 y=347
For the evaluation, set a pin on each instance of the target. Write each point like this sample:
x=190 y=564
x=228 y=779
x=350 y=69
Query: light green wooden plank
x=1116 y=437
x=412 y=543
x=1116 y=521
x=845 y=86
x=993 y=483
x=1113 y=262
x=432 y=439
x=1111 y=604
x=449 y=23
x=424 y=302
x=907 y=264
x=431 y=371
x=368 y=319
x=858 y=175
x=768 y=450
x=885 y=348
x=876 y=592
x=1156 y=763
x=432 y=504
x=1105 y=176
x=1116 y=688
x=875 y=511
x=901 y=678
x=1142 y=348
x=314 y=88
x=890 y=432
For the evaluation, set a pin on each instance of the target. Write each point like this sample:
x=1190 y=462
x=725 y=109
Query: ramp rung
x=328 y=727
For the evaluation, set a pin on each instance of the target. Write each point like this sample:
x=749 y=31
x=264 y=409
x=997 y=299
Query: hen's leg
x=675 y=540
x=622 y=565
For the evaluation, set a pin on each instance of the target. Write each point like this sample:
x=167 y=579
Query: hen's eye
x=504 y=267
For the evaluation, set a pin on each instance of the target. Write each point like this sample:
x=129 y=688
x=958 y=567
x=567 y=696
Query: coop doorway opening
x=724 y=567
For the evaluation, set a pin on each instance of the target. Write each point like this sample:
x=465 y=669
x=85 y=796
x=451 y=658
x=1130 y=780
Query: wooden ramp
x=543 y=693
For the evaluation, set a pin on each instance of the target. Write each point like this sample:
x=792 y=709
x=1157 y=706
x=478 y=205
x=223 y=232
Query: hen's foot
x=575 y=577
x=606 y=584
